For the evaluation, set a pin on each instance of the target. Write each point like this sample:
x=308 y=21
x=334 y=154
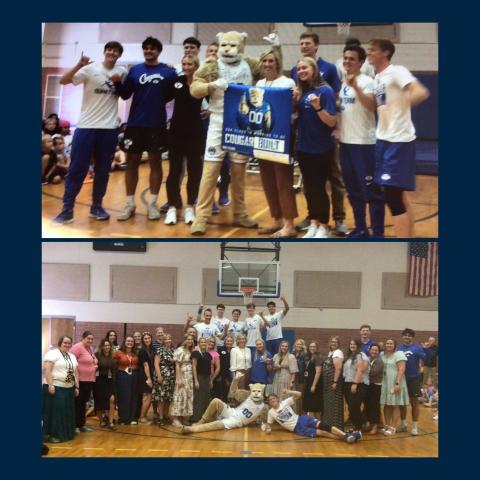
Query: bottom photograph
x=239 y=349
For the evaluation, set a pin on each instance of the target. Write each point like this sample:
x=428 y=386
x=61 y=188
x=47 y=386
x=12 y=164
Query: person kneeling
x=282 y=413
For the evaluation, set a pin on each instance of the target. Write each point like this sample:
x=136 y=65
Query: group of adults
x=178 y=382
x=377 y=158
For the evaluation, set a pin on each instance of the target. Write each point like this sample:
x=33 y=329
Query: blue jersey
x=366 y=347
x=151 y=87
x=313 y=135
x=259 y=372
x=255 y=120
x=414 y=354
x=329 y=73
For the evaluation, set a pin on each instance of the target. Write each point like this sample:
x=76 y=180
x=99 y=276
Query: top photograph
x=240 y=130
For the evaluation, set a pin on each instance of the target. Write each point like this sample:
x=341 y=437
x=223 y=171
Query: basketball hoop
x=343 y=28
x=248 y=293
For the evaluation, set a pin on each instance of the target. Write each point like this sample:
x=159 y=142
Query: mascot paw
x=264 y=427
x=273 y=39
x=220 y=83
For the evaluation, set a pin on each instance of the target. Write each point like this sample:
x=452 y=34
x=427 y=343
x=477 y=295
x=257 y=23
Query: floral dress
x=182 y=405
x=164 y=391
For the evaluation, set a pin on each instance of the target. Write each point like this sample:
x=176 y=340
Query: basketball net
x=247 y=294
x=343 y=28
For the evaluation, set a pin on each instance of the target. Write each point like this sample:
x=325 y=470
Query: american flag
x=423 y=269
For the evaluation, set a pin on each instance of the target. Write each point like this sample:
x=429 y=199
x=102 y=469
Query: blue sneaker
x=64 y=217
x=358 y=435
x=98 y=213
x=224 y=200
x=349 y=437
x=356 y=233
x=215 y=208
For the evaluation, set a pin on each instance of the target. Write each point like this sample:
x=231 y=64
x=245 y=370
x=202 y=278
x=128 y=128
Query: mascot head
x=256 y=96
x=231 y=46
x=256 y=392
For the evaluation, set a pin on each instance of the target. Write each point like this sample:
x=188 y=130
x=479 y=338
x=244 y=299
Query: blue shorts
x=395 y=164
x=306 y=426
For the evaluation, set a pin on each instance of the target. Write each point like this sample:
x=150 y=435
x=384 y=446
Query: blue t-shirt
x=314 y=136
x=329 y=73
x=259 y=372
x=414 y=354
x=151 y=87
x=366 y=347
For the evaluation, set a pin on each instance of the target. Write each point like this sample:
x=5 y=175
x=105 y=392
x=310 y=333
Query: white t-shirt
x=206 y=330
x=99 y=102
x=254 y=332
x=280 y=82
x=336 y=354
x=274 y=329
x=245 y=413
x=284 y=415
x=357 y=124
x=366 y=69
x=61 y=365
x=393 y=105
x=235 y=329
x=220 y=324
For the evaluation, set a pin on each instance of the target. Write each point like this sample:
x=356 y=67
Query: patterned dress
x=389 y=378
x=332 y=399
x=164 y=392
x=282 y=377
x=182 y=405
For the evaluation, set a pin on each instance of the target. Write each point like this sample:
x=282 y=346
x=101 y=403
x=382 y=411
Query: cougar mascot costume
x=212 y=79
x=219 y=416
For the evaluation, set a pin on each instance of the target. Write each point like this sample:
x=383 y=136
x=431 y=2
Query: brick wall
x=321 y=335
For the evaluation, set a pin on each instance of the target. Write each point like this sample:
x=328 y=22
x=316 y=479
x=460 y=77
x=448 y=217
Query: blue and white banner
x=256 y=122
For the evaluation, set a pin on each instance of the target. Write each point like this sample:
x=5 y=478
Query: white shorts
x=213 y=149
x=229 y=419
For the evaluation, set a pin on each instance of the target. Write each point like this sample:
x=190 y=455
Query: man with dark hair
x=309 y=44
x=415 y=356
x=204 y=326
x=366 y=68
x=396 y=92
x=365 y=340
x=221 y=322
x=150 y=83
x=191 y=45
x=97 y=129
x=273 y=323
x=356 y=132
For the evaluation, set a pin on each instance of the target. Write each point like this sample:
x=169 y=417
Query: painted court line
x=93 y=448
x=315 y=454
x=189 y=451
x=125 y=449
x=220 y=451
x=155 y=450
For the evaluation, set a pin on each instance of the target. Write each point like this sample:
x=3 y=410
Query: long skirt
x=59 y=413
x=182 y=404
x=332 y=399
x=103 y=389
x=127 y=393
x=201 y=397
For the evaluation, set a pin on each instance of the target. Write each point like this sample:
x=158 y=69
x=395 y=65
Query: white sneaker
x=153 y=212
x=311 y=232
x=414 y=431
x=128 y=212
x=322 y=232
x=171 y=218
x=189 y=215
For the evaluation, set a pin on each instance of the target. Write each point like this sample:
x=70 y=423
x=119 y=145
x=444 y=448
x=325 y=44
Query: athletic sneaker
x=311 y=232
x=86 y=429
x=350 y=437
x=128 y=212
x=224 y=200
x=98 y=213
x=164 y=208
x=133 y=422
x=305 y=225
x=171 y=218
x=153 y=212
x=176 y=423
x=77 y=431
x=189 y=215
x=414 y=431
x=341 y=228
x=321 y=232
x=356 y=233
x=358 y=435
x=215 y=208
x=64 y=217
x=402 y=428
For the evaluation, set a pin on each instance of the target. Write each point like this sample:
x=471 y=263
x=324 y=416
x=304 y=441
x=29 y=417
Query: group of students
x=377 y=158
x=179 y=382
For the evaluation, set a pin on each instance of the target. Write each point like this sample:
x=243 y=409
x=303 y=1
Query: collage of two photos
x=240 y=225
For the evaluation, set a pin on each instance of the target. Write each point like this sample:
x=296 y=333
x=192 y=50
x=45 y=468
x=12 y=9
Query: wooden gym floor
x=424 y=199
x=250 y=442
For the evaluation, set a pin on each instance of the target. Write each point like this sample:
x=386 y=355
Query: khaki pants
x=208 y=185
x=338 y=188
